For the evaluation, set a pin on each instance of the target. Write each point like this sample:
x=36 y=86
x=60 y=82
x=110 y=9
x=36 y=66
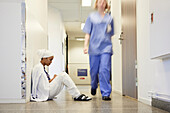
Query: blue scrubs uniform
x=100 y=50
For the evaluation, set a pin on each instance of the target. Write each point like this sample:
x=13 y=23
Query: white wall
x=78 y=60
x=117 y=48
x=36 y=35
x=145 y=65
x=56 y=36
x=159 y=33
x=10 y=47
x=153 y=75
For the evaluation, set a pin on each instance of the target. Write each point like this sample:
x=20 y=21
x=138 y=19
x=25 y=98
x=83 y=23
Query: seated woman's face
x=48 y=60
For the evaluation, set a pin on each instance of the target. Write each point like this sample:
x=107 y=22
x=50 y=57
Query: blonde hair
x=95 y=6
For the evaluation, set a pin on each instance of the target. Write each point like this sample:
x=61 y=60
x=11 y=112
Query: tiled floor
x=65 y=104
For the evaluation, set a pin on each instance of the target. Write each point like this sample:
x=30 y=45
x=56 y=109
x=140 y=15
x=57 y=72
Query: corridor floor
x=65 y=104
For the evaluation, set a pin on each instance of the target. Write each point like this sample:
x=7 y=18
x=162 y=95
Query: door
x=129 y=48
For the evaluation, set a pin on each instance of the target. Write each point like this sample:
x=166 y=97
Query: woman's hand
x=55 y=76
x=52 y=78
x=85 y=50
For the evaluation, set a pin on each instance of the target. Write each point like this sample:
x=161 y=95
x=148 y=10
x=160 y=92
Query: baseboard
x=12 y=101
x=145 y=101
x=118 y=92
x=161 y=104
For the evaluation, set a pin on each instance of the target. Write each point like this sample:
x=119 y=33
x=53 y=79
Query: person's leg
x=94 y=70
x=63 y=79
x=104 y=75
x=70 y=85
x=56 y=86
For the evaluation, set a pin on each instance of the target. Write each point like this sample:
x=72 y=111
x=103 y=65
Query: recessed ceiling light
x=86 y=3
x=80 y=39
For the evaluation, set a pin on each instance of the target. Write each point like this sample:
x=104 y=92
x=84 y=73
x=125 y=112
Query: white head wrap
x=43 y=53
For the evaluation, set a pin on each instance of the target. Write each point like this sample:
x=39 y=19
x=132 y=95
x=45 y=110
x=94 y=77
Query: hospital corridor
x=84 y=56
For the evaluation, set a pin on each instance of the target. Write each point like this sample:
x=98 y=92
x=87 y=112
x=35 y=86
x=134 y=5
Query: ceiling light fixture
x=80 y=39
x=86 y=3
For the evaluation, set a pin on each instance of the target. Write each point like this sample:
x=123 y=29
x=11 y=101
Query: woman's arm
x=52 y=78
x=87 y=37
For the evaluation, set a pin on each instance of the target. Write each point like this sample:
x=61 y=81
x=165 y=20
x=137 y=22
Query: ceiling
x=73 y=15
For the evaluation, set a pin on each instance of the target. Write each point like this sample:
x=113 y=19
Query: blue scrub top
x=100 y=39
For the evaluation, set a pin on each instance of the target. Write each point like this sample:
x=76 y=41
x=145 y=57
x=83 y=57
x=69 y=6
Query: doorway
x=129 y=48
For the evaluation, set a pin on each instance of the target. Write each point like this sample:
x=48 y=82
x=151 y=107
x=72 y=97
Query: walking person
x=99 y=30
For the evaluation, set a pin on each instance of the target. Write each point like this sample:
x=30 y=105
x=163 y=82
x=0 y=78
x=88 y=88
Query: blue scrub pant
x=100 y=66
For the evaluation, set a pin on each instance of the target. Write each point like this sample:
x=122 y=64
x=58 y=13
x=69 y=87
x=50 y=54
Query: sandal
x=82 y=97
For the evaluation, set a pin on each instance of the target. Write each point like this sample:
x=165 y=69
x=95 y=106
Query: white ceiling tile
x=65 y=1
x=64 y=6
x=73 y=14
